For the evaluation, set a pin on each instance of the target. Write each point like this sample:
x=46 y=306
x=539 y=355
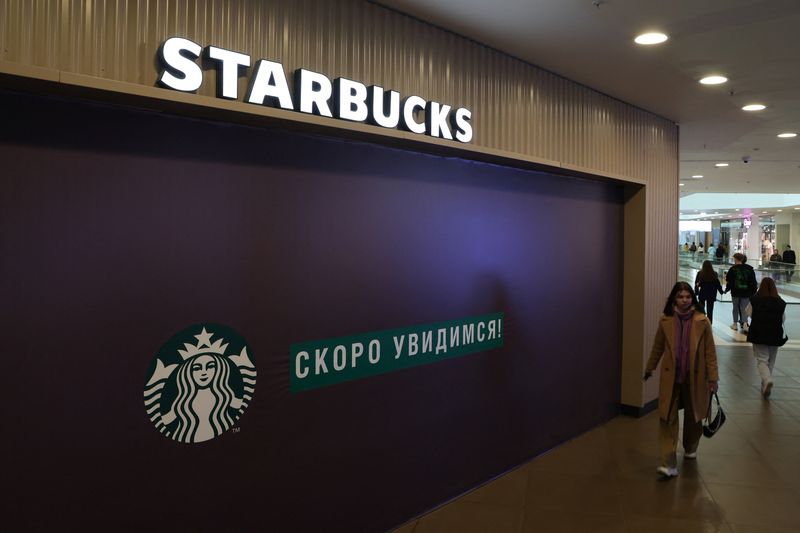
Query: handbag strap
x=716 y=398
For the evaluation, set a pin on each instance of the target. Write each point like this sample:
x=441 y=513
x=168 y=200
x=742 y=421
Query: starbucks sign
x=314 y=92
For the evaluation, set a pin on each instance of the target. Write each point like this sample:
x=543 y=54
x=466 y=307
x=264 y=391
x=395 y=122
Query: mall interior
x=391 y=266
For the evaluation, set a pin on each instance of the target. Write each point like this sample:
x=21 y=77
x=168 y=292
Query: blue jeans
x=740 y=309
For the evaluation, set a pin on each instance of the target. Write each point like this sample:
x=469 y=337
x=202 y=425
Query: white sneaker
x=767 y=390
x=690 y=455
x=667 y=471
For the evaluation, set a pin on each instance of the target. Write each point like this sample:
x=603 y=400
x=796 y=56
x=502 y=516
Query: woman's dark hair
x=707 y=272
x=767 y=288
x=678 y=287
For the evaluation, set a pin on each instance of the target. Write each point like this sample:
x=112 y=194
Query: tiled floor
x=745 y=480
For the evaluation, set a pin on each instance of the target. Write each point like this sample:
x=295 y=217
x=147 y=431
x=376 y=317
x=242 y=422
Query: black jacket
x=707 y=290
x=730 y=281
x=766 y=326
x=789 y=257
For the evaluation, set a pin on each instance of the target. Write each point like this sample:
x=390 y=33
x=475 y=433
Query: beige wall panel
x=523 y=111
x=516 y=107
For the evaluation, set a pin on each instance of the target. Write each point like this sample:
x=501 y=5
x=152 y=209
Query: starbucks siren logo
x=196 y=390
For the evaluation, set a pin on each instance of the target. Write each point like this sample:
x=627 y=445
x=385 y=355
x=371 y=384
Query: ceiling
x=752 y=42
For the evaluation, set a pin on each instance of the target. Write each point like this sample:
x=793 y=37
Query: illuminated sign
x=314 y=92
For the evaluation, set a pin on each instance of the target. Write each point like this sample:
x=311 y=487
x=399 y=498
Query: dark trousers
x=708 y=305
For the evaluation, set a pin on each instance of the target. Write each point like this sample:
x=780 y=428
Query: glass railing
x=788 y=289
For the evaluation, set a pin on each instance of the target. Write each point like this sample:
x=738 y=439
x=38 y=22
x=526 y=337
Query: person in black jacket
x=741 y=282
x=766 y=331
x=719 y=254
x=790 y=259
x=707 y=285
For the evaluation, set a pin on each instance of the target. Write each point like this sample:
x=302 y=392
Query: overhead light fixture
x=787 y=135
x=681 y=184
x=780 y=210
x=697 y=176
x=763 y=212
x=754 y=107
x=713 y=80
x=721 y=164
x=650 y=38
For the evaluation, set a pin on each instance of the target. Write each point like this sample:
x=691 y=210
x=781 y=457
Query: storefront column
x=753 y=244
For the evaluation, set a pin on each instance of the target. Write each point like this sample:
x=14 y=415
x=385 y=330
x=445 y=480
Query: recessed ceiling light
x=697 y=176
x=713 y=80
x=738 y=209
x=650 y=38
x=797 y=208
x=681 y=184
x=754 y=107
x=787 y=135
x=780 y=210
x=721 y=164
x=763 y=212
x=702 y=214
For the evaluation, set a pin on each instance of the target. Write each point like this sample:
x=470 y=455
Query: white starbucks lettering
x=314 y=93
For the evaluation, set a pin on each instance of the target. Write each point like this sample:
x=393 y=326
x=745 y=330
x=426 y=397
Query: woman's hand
x=713 y=386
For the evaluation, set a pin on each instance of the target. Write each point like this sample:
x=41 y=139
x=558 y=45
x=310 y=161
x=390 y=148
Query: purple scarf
x=683 y=327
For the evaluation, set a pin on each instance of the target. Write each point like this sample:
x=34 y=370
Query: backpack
x=741 y=280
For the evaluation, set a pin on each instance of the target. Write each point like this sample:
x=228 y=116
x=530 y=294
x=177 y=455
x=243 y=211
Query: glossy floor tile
x=745 y=480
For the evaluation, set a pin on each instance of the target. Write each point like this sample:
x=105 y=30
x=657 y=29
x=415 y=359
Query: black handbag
x=712 y=424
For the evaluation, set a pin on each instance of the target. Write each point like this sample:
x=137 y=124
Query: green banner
x=321 y=363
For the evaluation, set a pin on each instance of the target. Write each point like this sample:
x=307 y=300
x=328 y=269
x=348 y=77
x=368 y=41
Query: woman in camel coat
x=684 y=344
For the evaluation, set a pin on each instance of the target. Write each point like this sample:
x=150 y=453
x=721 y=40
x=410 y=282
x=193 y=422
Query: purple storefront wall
x=118 y=228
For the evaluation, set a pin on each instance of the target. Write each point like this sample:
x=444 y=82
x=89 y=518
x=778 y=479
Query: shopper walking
x=766 y=330
x=684 y=344
x=707 y=285
x=740 y=281
x=790 y=259
x=720 y=253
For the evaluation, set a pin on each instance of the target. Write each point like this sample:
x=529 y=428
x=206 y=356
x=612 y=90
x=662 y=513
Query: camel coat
x=702 y=363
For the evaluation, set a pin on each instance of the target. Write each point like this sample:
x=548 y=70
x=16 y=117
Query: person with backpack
x=693 y=250
x=707 y=285
x=766 y=331
x=740 y=281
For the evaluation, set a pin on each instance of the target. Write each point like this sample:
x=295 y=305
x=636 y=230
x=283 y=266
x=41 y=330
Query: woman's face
x=203 y=369
x=683 y=300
